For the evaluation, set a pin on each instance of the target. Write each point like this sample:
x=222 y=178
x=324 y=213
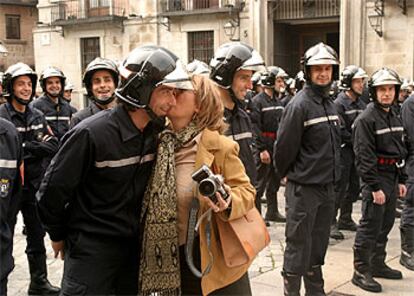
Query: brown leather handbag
x=243 y=238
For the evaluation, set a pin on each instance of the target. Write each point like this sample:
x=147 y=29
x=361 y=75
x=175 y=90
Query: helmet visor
x=360 y=74
x=179 y=78
x=255 y=63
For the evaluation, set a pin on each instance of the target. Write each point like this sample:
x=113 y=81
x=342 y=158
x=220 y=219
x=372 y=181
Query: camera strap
x=193 y=226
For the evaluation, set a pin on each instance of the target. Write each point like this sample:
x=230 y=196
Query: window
x=201 y=46
x=90 y=50
x=12 y=26
x=98 y=3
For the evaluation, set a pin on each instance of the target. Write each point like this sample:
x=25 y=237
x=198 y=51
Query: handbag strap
x=192 y=229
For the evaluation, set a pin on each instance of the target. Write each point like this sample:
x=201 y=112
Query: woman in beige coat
x=195 y=138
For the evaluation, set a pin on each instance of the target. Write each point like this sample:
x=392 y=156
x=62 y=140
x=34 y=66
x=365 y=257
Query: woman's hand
x=221 y=204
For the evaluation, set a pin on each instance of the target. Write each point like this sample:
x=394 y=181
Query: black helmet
x=384 y=76
x=198 y=67
x=231 y=57
x=349 y=73
x=268 y=78
x=51 y=72
x=144 y=69
x=299 y=80
x=14 y=71
x=99 y=64
x=320 y=54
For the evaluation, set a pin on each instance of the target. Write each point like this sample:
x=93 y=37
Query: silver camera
x=209 y=183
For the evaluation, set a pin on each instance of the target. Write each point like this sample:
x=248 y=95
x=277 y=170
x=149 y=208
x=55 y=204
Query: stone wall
x=20 y=50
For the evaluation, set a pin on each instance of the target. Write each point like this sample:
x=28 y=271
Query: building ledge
x=90 y=20
x=15 y=41
x=181 y=13
x=29 y=3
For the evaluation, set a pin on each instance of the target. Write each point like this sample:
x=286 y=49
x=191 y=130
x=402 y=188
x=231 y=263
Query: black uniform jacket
x=39 y=144
x=348 y=111
x=241 y=130
x=407 y=114
x=378 y=139
x=268 y=112
x=307 y=147
x=10 y=183
x=86 y=112
x=57 y=115
x=97 y=180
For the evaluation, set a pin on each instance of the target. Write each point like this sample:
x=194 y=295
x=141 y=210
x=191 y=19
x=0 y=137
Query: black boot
x=362 y=275
x=314 y=282
x=407 y=248
x=39 y=284
x=366 y=282
x=335 y=233
x=379 y=268
x=272 y=213
x=345 y=221
x=291 y=284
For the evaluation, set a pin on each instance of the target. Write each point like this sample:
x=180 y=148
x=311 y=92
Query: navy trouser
x=309 y=212
x=268 y=179
x=348 y=187
x=377 y=220
x=35 y=232
x=407 y=215
x=100 y=265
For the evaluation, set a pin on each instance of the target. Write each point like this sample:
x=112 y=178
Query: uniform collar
x=50 y=101
x=126 y=127
x=313 y=95
x=14 y=112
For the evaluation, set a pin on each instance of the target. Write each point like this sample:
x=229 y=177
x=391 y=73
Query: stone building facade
x=17 y=20
x=369 y=33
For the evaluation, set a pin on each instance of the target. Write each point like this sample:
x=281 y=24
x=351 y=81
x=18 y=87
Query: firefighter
x=379 y=157
x=56 y=110
x=268 y=112
x=10 y=185
x=349 y=106
x=93 y=218
x=307 y=153
x=407 y=215
x=39 y=145
x=101 y=78
x=232 y=68
x=67 y=95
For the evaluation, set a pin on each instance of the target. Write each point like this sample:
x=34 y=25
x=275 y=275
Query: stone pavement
x=265 y=270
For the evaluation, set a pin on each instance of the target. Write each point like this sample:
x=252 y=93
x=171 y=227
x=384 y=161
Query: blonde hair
x=211 y=108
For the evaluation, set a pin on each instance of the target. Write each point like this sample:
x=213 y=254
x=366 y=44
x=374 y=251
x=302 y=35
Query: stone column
x=352 y=32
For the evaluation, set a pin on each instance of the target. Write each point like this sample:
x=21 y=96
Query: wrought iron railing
x=85 y=9
x=305 y=9
x=188 y=5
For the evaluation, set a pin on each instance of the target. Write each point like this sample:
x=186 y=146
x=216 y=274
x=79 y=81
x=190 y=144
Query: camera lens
x=207 y=187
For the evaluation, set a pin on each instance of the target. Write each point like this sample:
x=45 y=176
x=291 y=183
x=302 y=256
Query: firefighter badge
x=4 y=187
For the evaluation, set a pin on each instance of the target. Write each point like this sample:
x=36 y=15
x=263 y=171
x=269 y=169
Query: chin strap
x=104 y=101
x=21 y=101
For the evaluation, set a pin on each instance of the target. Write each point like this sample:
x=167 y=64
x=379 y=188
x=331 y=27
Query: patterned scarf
x=160 y=263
